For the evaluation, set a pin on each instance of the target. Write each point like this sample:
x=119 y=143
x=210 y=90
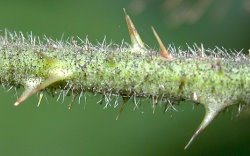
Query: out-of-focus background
x=88 y=129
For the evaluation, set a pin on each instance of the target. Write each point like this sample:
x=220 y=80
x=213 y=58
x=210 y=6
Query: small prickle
x=163 y=51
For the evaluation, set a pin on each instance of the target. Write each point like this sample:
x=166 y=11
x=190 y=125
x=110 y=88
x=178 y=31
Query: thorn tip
x=210 y=115
x=16 y=103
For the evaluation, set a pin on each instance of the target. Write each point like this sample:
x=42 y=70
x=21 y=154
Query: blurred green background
x=88 y=129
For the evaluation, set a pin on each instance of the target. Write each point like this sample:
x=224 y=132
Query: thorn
x=56 y=72
x=30 y=91
x=209 y=116
x=40 y=99
x=55 y=76
x=163 y=51
x=134 y=36
x=124 y=102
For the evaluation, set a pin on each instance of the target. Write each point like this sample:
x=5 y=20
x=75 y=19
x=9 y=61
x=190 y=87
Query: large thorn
x=30 y=91
x=134 y=36
x=209 y=116
x=163 y=51
x=56 y=72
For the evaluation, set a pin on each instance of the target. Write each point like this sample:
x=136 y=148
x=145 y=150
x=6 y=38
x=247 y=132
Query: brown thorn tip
x=134 y=36
x=163 y=51
x=210 y=115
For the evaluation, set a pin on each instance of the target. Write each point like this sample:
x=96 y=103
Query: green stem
x=213 y=81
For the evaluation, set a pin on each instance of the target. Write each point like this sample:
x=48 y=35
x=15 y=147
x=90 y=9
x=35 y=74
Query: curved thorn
x=124 y=102
x=210 y=115
x=30 y=91
x=56 y=76
x=163 y=51
x=134 y=36
x=29 y=85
